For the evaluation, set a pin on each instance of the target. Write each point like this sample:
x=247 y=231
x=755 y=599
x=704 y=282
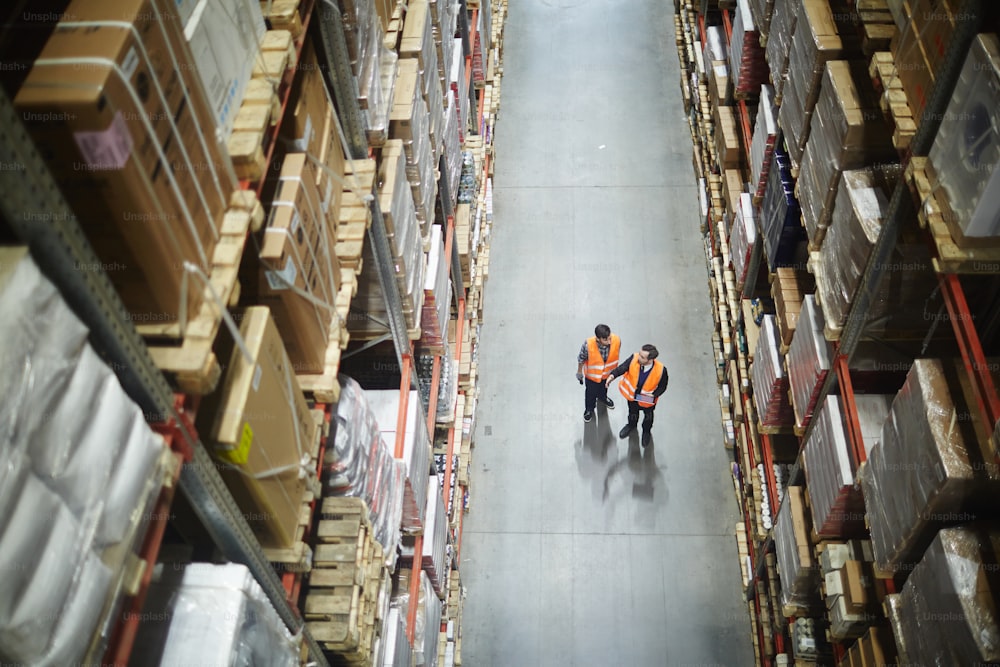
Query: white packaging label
x=257 y=373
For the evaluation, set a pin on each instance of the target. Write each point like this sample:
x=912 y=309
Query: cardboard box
x=299 y=269
x=263 y=425
x=856 y=582
x=147 y=182
x=225 y=36
x=308 y=106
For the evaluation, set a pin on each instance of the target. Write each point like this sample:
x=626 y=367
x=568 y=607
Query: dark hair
x=651 y=350
x=602 y=331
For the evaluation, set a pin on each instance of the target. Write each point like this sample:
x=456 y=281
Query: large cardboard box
x=225 y=36
x=308 y=105
x=115 y=107
x=261 y=431
x=299 y=270
x=330 y=170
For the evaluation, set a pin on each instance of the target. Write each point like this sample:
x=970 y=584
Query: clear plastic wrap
x=856 y=221
x=947 y=609
x=361 y=465
x=814 y=42
x=846 y=132
x=780 y=216
x=437 y=295
x=797 y=570
x=69 y=435
x=396 y=650
x=779 y=41
x=742 y=238
x=452 y=149
x=210 y=614
x=809 y=358
x=762 y=11
x=747 y=65
x=384 y=405
x=428 y=625
x=435 y=553
x=765 y=137
x=770 y=384
x=966 y=151
x=837 y=506
x=920 y=475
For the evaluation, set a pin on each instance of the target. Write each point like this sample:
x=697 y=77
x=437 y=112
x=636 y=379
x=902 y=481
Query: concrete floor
x=582 y=549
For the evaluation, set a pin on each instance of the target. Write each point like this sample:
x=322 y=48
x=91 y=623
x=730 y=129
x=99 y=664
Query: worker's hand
x=607 y=383
x=579 y=378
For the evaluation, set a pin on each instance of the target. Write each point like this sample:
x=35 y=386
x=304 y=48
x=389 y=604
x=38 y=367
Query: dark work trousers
x=595 y=390
x=633 y=416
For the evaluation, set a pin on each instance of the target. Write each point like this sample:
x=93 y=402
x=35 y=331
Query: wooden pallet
x=882 y=70
x=298 y=557
x=185 y=354
x=260 y=109
x=324 y=387
x=932 y=211
x=355 y=214
x=349 y=583
x=284 y=15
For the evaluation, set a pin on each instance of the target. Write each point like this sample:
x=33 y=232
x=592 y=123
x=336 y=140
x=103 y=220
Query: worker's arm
x=662 y=386
x=581 y=362
x=621 y=370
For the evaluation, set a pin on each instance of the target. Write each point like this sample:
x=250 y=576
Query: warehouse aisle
x=581 y=549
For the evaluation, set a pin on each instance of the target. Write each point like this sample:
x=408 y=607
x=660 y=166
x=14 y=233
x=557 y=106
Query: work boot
x=608 y=402
x=625 y=431
x=647 y=438
x=587 y=416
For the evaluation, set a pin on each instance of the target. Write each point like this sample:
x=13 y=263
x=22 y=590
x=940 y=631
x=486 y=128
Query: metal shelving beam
x=35 y=209
x=340 y=77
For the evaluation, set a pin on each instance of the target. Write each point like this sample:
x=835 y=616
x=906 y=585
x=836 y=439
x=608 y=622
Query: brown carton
x=299 y=270
x=262 y=431
x=113 y=107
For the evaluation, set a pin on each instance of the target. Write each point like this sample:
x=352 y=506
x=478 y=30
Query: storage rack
x=60 y=244
x=969 y=17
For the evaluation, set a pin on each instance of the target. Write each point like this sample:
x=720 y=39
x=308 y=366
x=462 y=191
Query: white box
x=225 y=36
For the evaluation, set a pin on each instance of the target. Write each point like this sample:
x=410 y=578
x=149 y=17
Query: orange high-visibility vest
x=597 y=369
x=645 y=396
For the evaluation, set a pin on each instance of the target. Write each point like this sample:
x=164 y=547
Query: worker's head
x=603 y=333
x=648 y=353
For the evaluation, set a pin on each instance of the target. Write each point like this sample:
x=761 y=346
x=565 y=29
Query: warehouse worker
x=597 y=357
x=645 y=379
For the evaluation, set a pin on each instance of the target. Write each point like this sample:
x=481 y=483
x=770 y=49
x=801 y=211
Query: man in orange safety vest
x=644 y=379
x=597 y=357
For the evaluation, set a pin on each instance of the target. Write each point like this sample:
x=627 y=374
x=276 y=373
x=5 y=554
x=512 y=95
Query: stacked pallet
x=837 y=506
x=765 y=137
x=437 y=296
x=809 y=360
x=747 y=65
x=796 y=566
x=416 y=453
x=435 y=559
x=449 y=646
x=892 y=100
x=780 y=215
x=846 y=132
x=770 y=382
x=347 y=584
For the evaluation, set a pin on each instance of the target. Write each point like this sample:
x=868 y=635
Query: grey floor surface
x=581 y=549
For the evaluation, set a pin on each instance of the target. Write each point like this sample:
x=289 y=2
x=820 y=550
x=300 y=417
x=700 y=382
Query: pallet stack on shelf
x=841 y=125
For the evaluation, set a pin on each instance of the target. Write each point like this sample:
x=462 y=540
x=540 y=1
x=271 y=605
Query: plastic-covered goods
x=837 y=506
x=966 y=151
x=947 y=608
x=808 y=359
x=77 y=463
x=361 y=465
x=925 y=472
x=206 y=614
